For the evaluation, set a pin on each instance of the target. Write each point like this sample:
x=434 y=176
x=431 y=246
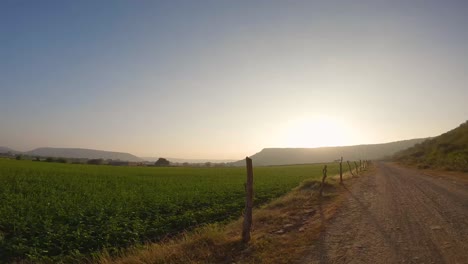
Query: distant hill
x=285 y=156
x=448 y=151
x=4 y=150
x=80 y=153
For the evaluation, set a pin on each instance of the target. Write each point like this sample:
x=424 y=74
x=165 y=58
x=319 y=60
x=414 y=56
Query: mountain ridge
x=4 y=149
x=75 y=153
x=266 y=157
x=288 y=156
x=82 y=153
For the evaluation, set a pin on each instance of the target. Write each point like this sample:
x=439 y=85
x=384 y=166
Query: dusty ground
x=398 y=215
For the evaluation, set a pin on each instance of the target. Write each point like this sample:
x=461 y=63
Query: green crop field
x=68 y=212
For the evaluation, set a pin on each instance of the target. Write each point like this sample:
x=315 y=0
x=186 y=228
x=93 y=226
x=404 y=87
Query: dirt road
x=398 y=215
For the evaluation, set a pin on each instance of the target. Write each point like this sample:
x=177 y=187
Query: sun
x=315 y=132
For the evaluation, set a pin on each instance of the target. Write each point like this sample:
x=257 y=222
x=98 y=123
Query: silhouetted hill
x=8 y=150
x=80 y=153
x=284 y=156
x=448 y=151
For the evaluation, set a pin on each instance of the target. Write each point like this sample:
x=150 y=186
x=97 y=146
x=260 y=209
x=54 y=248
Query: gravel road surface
x=398 y=215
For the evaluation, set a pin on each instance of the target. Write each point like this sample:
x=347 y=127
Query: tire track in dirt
x=397 y=215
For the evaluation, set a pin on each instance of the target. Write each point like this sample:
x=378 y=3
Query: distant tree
x=208 y=164
x=185 y=164
x=37 y=159
x=49 y=159
x=62 y=160
x=162 y=162
x=95 y=161
x=19 y=157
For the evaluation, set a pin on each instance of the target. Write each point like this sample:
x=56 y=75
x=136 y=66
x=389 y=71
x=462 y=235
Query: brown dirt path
x=398 y=215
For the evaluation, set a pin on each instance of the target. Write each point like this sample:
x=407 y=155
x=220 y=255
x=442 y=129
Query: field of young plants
x=68 y=212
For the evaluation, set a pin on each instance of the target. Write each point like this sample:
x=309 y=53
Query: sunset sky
x=224 y=79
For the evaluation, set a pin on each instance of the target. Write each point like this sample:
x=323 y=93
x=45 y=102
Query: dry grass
x=283 y=232
x=204 y=245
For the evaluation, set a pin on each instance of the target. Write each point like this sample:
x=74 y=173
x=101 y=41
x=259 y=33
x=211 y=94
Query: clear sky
x=224 y=79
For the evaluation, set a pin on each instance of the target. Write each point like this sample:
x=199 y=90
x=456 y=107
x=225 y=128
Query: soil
x=398 y=215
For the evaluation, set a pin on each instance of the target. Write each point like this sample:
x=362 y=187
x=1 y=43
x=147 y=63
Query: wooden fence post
x=350 y=170
x=360 y=165
x=324 y=171
x=341 y=170
x=248 y=202
x=357 y=168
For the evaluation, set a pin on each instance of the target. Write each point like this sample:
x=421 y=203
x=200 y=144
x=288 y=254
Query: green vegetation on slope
x=447 y=151
x=66 y=212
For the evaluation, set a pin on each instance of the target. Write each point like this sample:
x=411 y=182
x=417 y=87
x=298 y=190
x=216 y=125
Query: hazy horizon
x=225 y=79
x=156 y=156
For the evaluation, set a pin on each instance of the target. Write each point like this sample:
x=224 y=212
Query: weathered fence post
x=357 y=168
x=324 y=171
x=350 y=169
x=360 y=165
x=248 y=202
x=341 y=170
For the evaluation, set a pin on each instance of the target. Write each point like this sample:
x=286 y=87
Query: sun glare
x=316 y=132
